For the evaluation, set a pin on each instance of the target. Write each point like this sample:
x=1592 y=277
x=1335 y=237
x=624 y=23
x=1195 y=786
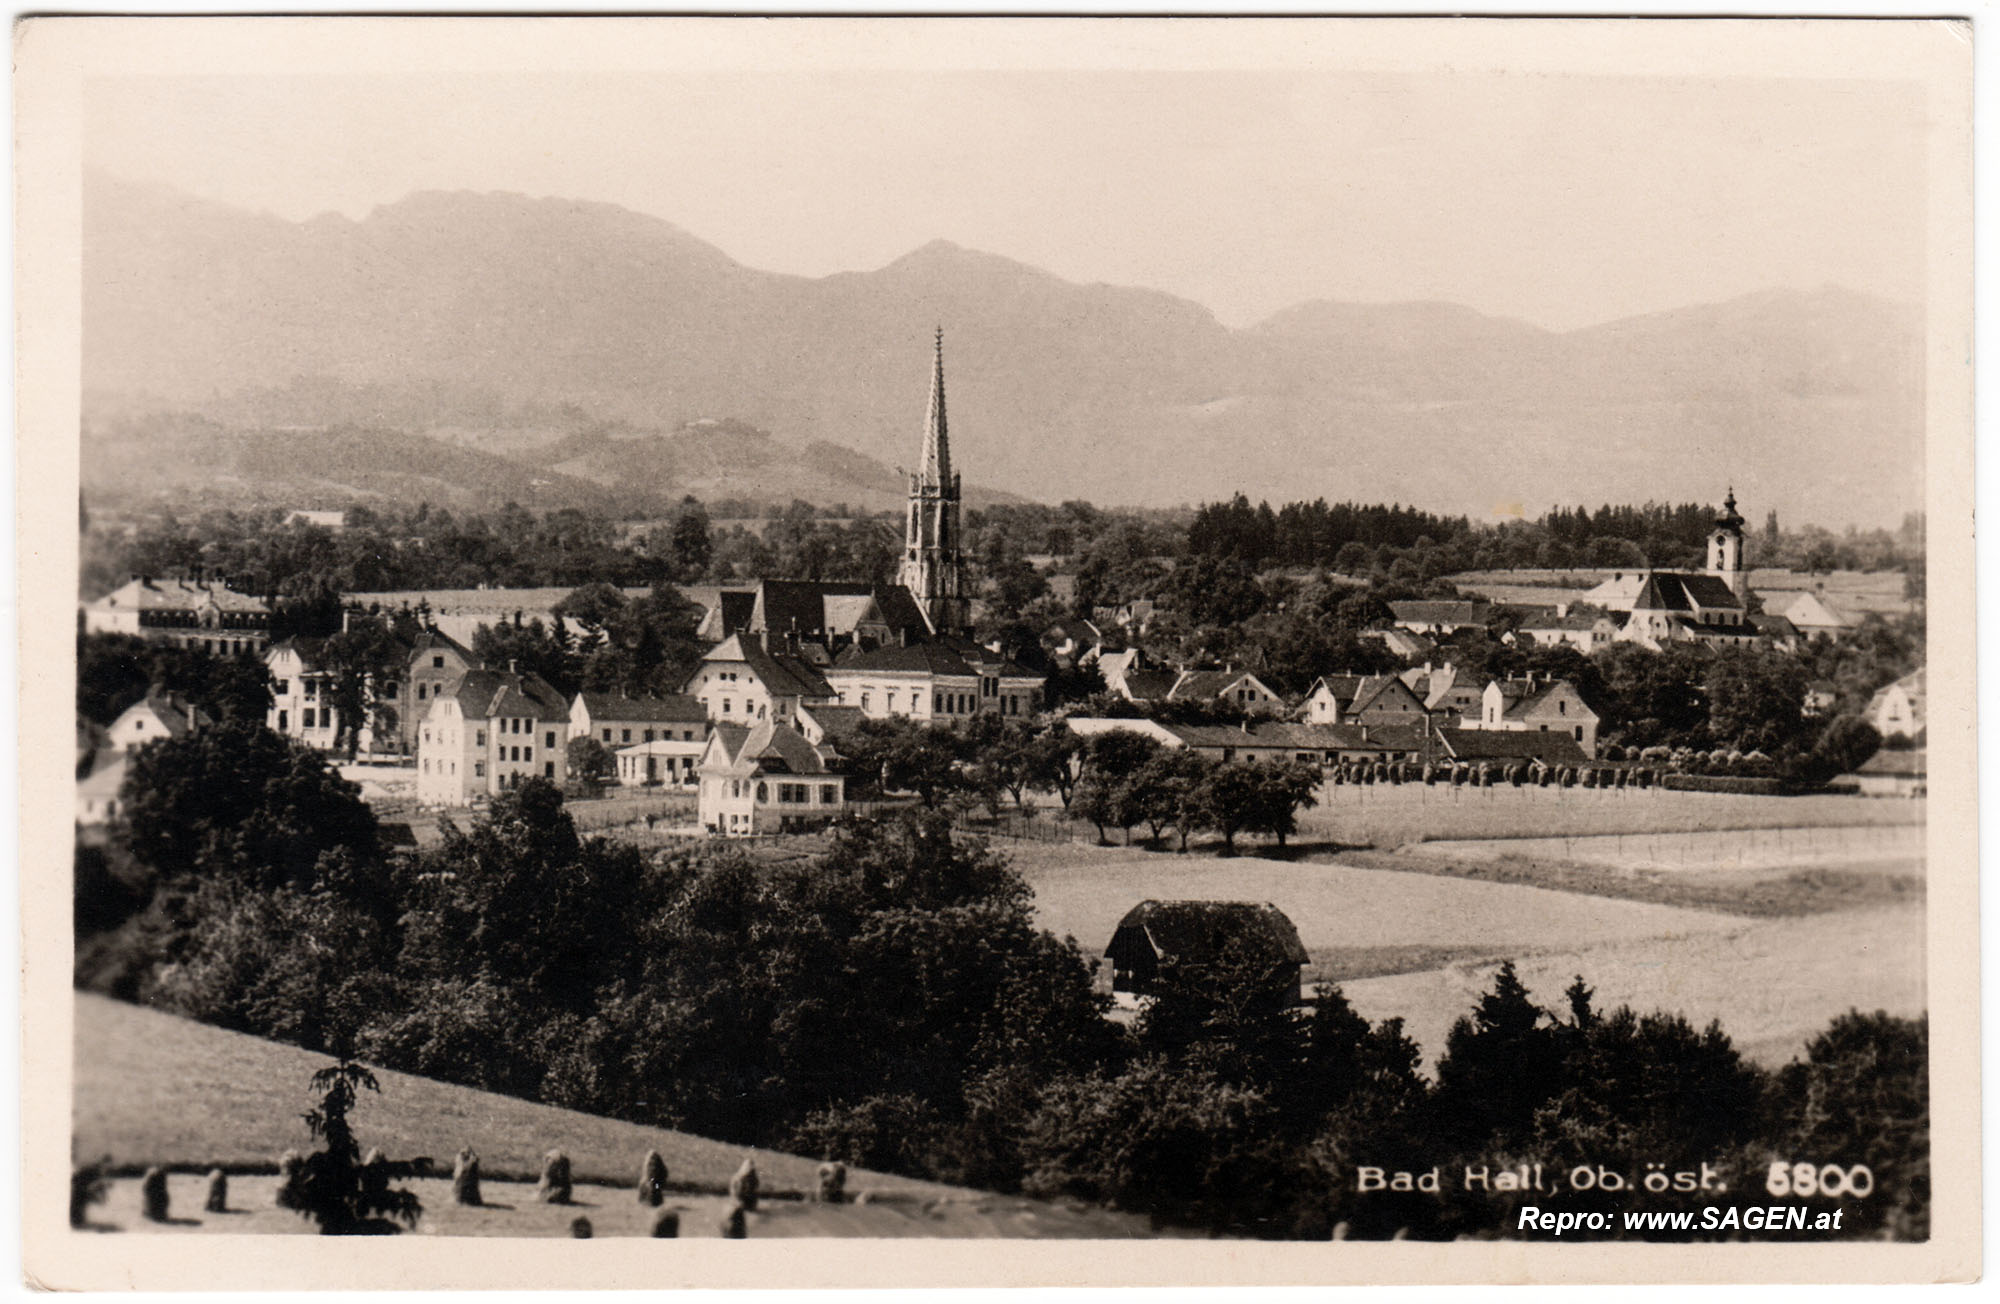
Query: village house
x=1897 y=710
x=766 y=778
x=1532 y=705
x=302 y=692
x=1362 y=699
x=493 y=731
x=159 y=714
x=1584 y=628
x=1401 y=643
x=97 y=793
x=743 y=680
x=617 y=721
x=1449 y=695
x=1892 y=772
x=1810 y=613
x=437 y=662
x=203 y=614
x=1163 y=940
x=937 y=680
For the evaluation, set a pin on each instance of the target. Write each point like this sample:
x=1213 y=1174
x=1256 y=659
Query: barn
x=1188 y=936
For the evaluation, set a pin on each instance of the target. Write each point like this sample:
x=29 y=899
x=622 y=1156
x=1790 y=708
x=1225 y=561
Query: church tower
x=1725 y=549
x=933 y=565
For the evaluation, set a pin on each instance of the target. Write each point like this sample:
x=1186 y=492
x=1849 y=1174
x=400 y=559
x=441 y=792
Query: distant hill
x=500 y=313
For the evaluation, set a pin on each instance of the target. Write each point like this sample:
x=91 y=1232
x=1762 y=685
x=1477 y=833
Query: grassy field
x=155 y=1089
x=1353 y=920
x=1386 y=816
x=510 y=1209
x=1772 y=984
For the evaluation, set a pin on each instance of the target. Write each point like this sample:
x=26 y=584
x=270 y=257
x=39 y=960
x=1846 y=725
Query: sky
x=1561 y=200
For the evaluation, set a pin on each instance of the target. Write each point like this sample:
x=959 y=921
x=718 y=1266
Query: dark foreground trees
x=891 y=1003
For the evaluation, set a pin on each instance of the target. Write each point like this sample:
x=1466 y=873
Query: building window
x=549 y=740
x=864 y=701
x=420 y=691
x=437 y=663
x=763 y=793
x=937 y=708
x=282 y=725
x=479 y=738
x=548 y=769
x=607 y=735
x=479 y=769
x=725 y=706
x=308 y=719
x=649 y=735
x=282 y=687
x=389 y=691
x=829 y=795
x=625 y=736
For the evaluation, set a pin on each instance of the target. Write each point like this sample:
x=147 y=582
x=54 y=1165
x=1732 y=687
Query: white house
x=741 y=681
x=662 y=762
x=1897 y=711
x=766 y=778
x=493 y=731
x=97 y=793
x=159 y=714
x=1811 y=613
x=938 y=680
x=1532 y=705
x=301 y=693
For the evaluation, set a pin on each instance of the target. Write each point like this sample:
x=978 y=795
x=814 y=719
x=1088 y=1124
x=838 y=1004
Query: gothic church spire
x=936 y=466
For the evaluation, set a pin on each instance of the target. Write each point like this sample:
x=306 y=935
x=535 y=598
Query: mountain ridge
x=1059 y=389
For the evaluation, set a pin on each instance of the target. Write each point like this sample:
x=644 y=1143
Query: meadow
x=1390 y=815
x=153 y=1089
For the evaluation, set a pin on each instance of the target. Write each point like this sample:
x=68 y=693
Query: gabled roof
x=1373 y=688
x=835 y=722
x=1340 y=687
x=1523 y=699
x=1684 y=591
x=1150 y=685
x=766 y=748
x=103 y=783
x=436 y=640
x=1770 y=626
x=1659 y=594
x=1200 y=685
x=175 y=713
x=779 y=672
x=311 y=652
x=1912 y=685
x=1196 y=932
x=177 y=595
x=485 y=694
x=678 y=709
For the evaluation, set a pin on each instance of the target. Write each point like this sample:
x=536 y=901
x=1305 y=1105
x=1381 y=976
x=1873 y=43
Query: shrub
x=87 y=1186
x=218 y=1192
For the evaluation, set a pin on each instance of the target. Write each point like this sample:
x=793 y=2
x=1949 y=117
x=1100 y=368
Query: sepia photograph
x=1320 y=632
